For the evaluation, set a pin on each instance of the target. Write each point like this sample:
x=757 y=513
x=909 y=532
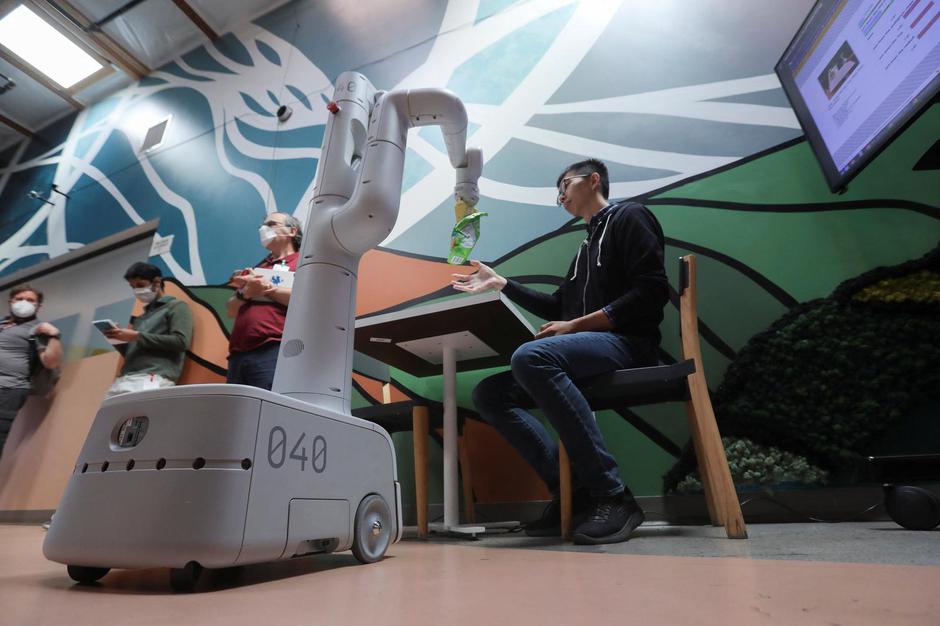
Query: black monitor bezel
x=837 y=180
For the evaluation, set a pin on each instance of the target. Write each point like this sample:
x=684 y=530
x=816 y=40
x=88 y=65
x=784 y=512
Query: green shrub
x=922 y=286
x=830 y=375
x=754 y=464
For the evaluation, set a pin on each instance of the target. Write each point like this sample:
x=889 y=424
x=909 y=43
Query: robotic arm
x=440 y=107
x=357 y=193
x=369 y=215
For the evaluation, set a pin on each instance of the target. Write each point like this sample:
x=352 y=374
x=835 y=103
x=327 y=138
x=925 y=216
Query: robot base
x=223 y=475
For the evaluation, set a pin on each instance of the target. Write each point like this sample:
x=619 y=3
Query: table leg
x=451 y=493
x=451 y=517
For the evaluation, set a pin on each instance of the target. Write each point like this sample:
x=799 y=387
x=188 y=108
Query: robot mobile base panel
x=223 y=475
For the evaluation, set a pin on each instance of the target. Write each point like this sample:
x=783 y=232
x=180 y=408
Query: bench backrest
x=688 y=311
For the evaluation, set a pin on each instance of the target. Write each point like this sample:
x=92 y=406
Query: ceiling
x=133 y=38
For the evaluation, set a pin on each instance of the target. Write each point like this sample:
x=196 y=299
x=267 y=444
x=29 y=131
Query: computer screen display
x=856 y=73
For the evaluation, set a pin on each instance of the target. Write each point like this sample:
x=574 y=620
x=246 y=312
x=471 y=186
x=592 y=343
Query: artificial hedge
x=760 y=466
x=831 y=375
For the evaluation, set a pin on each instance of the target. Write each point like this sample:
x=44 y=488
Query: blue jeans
x=255 y=367
x=543 y=375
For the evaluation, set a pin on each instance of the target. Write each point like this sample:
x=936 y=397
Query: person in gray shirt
x=25 y=345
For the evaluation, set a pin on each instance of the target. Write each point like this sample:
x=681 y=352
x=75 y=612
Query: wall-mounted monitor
x=856 y=73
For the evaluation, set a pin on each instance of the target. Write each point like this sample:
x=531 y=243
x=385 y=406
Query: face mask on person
x=267 y=235
x=145 y=294
x=22 y=309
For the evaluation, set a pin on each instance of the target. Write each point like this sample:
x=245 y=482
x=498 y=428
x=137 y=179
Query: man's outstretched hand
x=483 y=279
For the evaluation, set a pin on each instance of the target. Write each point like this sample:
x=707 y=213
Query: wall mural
x=678 y=98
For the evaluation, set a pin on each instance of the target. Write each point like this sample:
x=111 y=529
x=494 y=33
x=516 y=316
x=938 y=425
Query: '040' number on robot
x=278 y=455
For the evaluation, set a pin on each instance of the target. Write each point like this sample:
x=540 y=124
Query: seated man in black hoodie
x=606 y=316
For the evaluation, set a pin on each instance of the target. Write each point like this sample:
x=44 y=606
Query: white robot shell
x=355 y=206
x=223 y=475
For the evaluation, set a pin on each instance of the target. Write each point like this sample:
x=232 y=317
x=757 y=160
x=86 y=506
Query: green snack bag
x=464 y=237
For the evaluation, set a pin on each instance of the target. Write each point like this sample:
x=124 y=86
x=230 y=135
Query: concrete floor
x=797 y=574
x=847 y=542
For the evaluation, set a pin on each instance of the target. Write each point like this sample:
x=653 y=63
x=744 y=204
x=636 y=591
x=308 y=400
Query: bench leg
x=705 y=473
x=716 y=461
x=564 y=491
x=420 y=433
x=469 y=510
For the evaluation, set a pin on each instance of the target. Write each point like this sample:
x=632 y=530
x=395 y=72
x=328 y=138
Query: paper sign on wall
x=160 y=245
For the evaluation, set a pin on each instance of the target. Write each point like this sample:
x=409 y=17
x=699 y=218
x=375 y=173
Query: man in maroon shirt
x=260 y=307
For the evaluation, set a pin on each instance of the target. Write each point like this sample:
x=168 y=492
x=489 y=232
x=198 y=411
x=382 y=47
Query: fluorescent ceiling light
x=38 y=43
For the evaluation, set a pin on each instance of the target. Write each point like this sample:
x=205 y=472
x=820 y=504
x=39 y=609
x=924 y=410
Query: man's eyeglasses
x=563 y=186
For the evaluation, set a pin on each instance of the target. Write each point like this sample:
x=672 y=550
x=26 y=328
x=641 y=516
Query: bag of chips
x=466 y=232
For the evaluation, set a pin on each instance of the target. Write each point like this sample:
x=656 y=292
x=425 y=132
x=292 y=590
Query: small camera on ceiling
x=284 y=113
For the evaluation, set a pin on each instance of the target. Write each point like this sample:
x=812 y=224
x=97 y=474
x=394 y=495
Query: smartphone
x=104 y=325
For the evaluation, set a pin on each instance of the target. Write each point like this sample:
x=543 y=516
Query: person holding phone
x=156 y=340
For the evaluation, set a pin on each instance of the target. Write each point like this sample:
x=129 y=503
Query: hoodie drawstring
x=600 y=243
x=577 y=258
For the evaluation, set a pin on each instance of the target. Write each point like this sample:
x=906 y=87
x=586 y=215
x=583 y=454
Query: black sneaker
x=549 y=524
x=610 y=520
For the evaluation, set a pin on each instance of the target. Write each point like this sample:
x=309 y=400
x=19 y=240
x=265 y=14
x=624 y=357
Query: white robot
x=222 y=475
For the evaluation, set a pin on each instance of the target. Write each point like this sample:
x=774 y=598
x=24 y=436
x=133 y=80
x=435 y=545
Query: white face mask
x=22 y=309
x=145 y=294
x=267 y=235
